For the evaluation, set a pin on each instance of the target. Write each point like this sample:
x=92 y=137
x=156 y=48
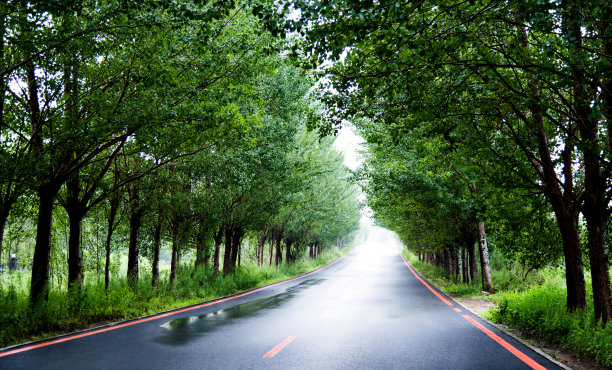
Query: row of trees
x=481 y=111
x=183 y=117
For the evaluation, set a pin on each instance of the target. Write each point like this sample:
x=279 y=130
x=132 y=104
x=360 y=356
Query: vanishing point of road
x=365 y=311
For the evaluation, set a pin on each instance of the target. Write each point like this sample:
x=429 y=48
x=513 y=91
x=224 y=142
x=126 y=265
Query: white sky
x=349 y=143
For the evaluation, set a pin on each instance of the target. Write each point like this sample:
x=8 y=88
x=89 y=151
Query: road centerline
x=279 y=347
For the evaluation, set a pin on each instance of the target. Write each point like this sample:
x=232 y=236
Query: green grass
x=535 y=303
x=540 y=310
x=68 y=311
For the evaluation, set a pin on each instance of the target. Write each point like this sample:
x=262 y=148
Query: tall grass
x=541 y=311
x=67 y=311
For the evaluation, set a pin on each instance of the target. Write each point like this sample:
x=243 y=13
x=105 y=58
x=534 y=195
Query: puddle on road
x=182 y=331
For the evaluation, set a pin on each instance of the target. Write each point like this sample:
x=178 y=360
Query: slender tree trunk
x=75 y=261
x=157 y=232
x=39 y=285
x=271 y=242
x=485 y=268
x=227 y=254
x=206 y=247
x=279 y=253
x=200 y=245
x=175 y=242
x=594 y=210
x=136 y=214
x=237 y=235
x=218 y=240
x=260 y=247
x=446 y=262
x=456 y=265
x=288 y=244
x=464 y=267
x=595 y=213
x=3 y=219
x=76 y=212
x=114 y=206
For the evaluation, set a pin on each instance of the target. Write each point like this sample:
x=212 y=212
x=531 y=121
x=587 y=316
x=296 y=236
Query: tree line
x=480 y=113
x=180 y=123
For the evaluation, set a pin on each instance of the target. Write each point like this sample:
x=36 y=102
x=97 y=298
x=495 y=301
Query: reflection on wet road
x=183 y=330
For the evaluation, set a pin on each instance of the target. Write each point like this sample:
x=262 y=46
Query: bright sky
x=349 y=143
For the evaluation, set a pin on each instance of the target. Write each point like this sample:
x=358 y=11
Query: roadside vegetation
x=533 y=303
x=67 y=311
x=178 y=131
x=156 y=154
x=488 y=130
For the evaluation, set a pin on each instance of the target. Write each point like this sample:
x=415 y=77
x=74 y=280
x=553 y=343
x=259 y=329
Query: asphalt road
x=367 y=311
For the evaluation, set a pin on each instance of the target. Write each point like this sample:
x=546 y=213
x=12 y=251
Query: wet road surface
x=367 y=311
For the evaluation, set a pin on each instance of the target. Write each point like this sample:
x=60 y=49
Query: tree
x=490 y=70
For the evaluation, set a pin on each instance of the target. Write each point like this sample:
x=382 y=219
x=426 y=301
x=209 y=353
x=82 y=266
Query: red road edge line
x=166 y=314
x=424 y=283
x=523 y=357
x=279 y=347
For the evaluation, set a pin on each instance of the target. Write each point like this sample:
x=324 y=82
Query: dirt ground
x=558 y=353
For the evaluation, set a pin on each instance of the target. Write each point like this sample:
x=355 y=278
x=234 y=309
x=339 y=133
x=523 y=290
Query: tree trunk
x=464 y=266
x=75 y=212
x=446 y=262
x=175 y=243
x=3 y=219
x=200 y=246
x=157 y=232
x=456 y=265
x=227 y=254
x=485 y=268
x=237 y=235
x=75 y=261
x=136 y=214
x=114 y=206
x=594 y=209
x=562 y=203
x=260 y=247
x=606 y=92
x=218 y=240
x=271 y=242
x=39 y=285
x=279 y=253
x=288 y=245
x=206 y=253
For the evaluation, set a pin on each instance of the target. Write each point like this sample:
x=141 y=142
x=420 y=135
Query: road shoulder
x=555 y=353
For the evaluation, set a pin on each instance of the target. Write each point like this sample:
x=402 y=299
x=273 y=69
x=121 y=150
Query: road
x=367 y=311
